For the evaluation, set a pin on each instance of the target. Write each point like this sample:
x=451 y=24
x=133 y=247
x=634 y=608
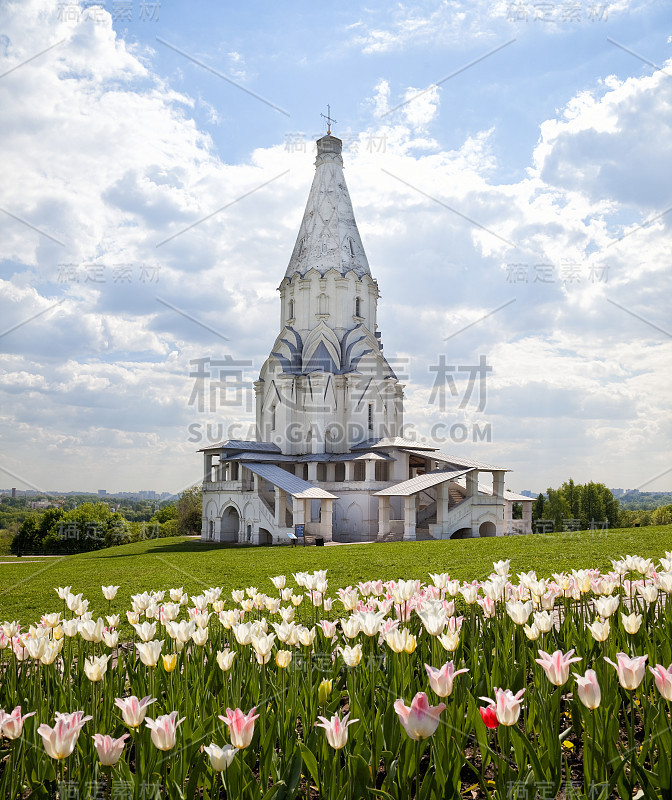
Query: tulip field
x=517 y=685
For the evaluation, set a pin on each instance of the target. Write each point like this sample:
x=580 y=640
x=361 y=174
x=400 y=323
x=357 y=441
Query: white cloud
x=105 y=157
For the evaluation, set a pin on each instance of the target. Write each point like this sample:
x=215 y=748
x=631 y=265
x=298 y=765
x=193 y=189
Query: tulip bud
x=324 y=691
x=283 y=658
x=588 y=689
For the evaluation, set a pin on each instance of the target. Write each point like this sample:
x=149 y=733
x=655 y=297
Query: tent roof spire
x=328 y=236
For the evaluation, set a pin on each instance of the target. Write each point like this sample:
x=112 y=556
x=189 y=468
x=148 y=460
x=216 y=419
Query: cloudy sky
x=509 y=164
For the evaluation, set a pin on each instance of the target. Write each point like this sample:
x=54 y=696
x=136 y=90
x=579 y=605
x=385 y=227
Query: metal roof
x=289 y=483
x=394 y=441
x=456 y=461
x=415 y=485
x=244 y=445
x=272 y=457
x=518 y=498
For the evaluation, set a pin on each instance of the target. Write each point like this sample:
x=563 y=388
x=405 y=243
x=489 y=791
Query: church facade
x=330 y=456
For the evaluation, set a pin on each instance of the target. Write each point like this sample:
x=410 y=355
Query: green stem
x=593 y=777
x=417 y=770
x=633 y=752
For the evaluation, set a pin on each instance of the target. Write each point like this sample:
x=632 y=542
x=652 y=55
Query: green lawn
x=27 y=588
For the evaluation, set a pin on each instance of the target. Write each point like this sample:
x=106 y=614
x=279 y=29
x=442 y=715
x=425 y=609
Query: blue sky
x=516 y=210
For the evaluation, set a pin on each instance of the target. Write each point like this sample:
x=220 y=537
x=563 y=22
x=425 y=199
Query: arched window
x=352 y=248
x=290 y=313
x=323 y=304
x=273 y=417
x=358 y=306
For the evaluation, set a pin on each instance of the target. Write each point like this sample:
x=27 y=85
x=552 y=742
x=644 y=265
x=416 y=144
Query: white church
x=330 y=461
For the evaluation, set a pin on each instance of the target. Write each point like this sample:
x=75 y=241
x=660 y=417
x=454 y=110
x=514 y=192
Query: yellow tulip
x=283 y=658
x=169 y=661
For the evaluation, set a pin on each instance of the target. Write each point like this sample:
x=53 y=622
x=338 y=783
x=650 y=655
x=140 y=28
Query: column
x=410 y=516
x=326 y=517
x=498 y=483
x=527 y=517
x=280 y=501
x=298 y=510
x=383 y=516
x=349 y=470
x=370 y=470
x=472 y=483
x=207 y=467
x=312 y=471
x=331 y=472
x=442 y=500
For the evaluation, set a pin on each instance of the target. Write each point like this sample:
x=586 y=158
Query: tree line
x=575 y=506
x=93 y=526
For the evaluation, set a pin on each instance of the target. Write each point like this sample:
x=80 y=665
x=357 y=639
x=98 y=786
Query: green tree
x=27 y=536
x=592 y=505
x=611 y=505
x=90 y=526
x=556 y=508
x=190 y=511
x=165 y=513
x=538 y=507
x=661 y=516
x=572 y=494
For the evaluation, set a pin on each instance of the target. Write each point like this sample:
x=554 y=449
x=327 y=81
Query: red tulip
x=489 y=716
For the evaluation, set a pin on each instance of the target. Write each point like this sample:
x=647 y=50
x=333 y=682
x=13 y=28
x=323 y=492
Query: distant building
x=330 y=454
x=102 y=492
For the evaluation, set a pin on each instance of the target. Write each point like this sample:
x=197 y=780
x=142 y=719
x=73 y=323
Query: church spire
x=328 y=237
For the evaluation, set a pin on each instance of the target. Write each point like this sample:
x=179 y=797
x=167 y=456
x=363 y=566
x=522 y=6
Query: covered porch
x=301 y=493
x=410 y=491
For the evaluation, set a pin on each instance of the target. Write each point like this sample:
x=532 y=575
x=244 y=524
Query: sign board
x=299 y=530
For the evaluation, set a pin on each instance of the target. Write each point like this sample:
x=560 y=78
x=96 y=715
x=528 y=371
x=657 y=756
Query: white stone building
x=330 y=453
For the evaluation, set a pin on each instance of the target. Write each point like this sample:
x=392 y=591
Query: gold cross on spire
x=329 y=119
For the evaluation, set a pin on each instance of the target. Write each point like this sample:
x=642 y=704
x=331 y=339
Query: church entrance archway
x=265 y=536
x=230 y=525
x=487 y=529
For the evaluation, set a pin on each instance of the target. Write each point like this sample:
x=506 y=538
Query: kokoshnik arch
x=329 y=452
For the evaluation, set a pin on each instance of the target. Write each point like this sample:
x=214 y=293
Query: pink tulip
x=133 y=710
x=11 y=725
x=630 y=671
x=441 y=680
x=60 y=740
x=588 y=689
x=336 y=730
x=663 y=679
x=328 y=628
x=556 y=666
x=420 y=720
x=489 y=716
x=109 y=750
x=164 y=730
x=507 y=705
x=241 y=726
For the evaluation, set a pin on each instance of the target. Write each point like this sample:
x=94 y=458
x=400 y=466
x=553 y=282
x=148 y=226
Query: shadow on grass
x=195 y=546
